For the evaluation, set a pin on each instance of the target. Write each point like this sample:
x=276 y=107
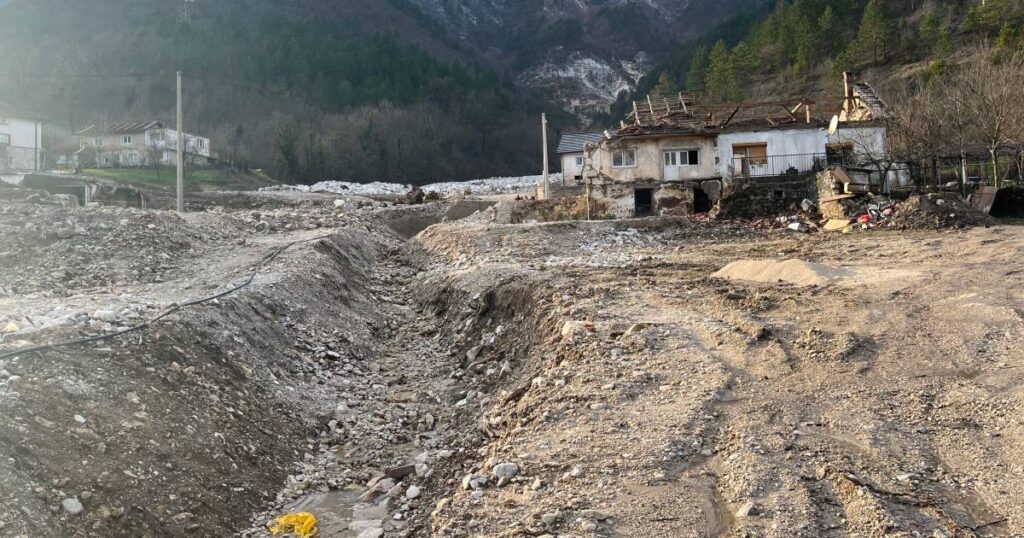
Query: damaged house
x=674 y=156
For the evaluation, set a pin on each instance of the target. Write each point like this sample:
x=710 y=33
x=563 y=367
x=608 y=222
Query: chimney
x=847 y=79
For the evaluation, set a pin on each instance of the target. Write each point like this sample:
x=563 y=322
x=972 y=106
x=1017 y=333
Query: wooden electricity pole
x=181 y=151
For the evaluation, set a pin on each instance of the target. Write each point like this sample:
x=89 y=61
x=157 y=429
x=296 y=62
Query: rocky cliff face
x=582 y=52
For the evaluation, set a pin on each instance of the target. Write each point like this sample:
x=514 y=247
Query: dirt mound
x=798 y=272
x=936 y=211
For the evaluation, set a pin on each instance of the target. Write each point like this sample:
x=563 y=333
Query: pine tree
x=874 y=34
x=804 y=40
x=826 y=29
x=1006 y=43
x=929 y=31
x=721 y=80
x=666 y=86
x=696 y=77
x=1007 y=40
x=744 y=61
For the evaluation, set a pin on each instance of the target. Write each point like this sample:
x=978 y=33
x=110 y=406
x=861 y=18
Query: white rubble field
x=496 y=185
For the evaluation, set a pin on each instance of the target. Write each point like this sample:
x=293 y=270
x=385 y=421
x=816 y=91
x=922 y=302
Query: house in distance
x=137 y=144
x=21 y=140
x=674 y=155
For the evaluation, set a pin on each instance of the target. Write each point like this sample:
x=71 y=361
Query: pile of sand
x=797 y=272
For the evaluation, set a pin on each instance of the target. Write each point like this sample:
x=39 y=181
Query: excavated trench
x=341 y=363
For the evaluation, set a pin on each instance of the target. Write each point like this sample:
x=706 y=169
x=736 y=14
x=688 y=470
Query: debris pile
x=936 y=211
x=49 y=248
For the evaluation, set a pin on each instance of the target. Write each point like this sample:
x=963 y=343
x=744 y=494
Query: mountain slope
x=405 y=90
x=581 y=52
x=316 y=89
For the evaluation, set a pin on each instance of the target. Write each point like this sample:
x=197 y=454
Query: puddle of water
x=334 y=511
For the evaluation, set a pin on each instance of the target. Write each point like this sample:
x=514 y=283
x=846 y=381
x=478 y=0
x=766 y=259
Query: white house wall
x=569 y=168
x=789 y=142
x=26 y=140
x=869 y=141
x=650 y=164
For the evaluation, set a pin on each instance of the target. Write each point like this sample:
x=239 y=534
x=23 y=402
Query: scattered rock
x=72 y=506
x=747 y=509
x=412 y=493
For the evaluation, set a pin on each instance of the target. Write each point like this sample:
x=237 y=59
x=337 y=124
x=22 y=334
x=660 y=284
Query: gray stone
x=506 y=470
x=72 y=506
x=412 y=493
x=401 y=471
x=747 y=509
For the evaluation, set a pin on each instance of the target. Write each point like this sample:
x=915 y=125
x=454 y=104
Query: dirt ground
x=483 y=379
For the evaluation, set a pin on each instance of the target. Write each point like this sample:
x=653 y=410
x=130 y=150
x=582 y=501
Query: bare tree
x=993 y=94
x=974 y=108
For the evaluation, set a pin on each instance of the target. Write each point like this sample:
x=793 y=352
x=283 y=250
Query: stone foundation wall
x=618 y=200
x=759 y=197
x=15 y=158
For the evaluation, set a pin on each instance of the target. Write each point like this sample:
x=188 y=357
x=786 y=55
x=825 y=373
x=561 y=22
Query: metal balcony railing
x=781 y=165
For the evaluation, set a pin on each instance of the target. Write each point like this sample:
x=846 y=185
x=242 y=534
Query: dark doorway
x=644 y=202
x=701 y=201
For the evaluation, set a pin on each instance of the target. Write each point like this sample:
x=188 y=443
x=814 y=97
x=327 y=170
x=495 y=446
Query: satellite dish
x=833 y=126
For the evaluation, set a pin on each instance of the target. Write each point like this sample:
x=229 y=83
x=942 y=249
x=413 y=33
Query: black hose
x=174 y=308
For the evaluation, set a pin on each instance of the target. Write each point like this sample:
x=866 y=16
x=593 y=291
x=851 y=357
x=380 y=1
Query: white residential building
x=136 y=144
x=21 y=141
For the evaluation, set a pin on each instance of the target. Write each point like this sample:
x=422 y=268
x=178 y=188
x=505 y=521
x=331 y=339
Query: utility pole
x=544 y=137
x=181 y=151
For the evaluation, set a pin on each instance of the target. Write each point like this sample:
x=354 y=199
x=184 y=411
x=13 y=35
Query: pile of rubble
x=45 y=247
x=936 y=211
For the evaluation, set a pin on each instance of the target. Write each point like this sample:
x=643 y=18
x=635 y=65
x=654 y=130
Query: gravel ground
x=479 y=379
x=648 y=399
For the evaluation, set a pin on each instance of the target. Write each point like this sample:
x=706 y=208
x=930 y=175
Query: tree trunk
x=995 y=168
x=963 y=174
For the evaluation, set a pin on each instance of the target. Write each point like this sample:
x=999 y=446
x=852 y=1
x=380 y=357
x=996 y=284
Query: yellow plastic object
x=11 y=327
x=302 y=525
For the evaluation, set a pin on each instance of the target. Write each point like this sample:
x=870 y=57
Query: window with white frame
x=97 y=142
x=685 y=157
x=5 y=139
x=579 y=162
x=126 y=139
x=624 y=158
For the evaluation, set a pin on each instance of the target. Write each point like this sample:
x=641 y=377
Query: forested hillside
x=407 y=90
x=804 y=45
x=359 y=89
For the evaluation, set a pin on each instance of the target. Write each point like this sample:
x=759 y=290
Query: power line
x=74 y=77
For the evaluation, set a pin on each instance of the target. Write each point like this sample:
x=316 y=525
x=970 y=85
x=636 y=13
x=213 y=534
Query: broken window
x=751 y=153
x=839 y=154
x=624 y=158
